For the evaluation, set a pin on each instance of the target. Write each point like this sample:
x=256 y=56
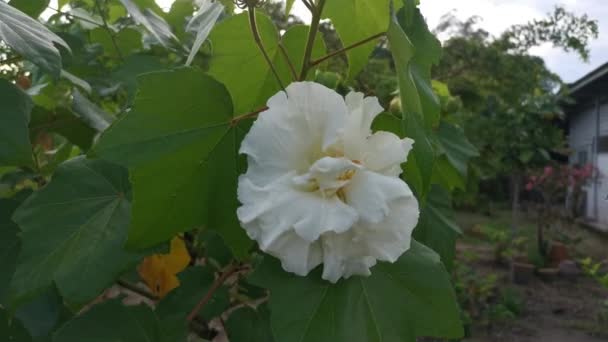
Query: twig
x=312 y=34
x=344 y=50
x=75 y=16
x=258 y=41
x=292 y=68
x=308 y=5
x=237 y=119
x=109 y=30
x=136 y=289
x=216 y=285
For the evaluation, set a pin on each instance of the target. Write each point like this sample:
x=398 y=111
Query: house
x=588 y=139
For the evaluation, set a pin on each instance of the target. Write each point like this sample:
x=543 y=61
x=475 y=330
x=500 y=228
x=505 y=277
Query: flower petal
x=389 y=239
x=371 y=194
x=385 y=152
x=279 y=207
x=362 y=112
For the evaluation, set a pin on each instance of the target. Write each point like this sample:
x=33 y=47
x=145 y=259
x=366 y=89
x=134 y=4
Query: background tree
x=511 y=100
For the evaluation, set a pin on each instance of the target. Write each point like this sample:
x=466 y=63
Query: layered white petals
x=321 y=188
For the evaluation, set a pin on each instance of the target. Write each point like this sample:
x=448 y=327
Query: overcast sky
x=497 y=15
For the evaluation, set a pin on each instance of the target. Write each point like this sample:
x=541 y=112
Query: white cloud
x=497 y=15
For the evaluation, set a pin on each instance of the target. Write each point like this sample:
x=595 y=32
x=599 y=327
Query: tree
x=511 y=100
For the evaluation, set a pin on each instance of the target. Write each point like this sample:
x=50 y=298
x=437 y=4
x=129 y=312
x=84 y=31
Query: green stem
x=292 y=68
x=109 y=30
x=346 y=49
x=258 y=41
x=312 y=34
x=69 y=15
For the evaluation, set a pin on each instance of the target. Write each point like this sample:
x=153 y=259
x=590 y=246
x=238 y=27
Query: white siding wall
x=604 y=119
x=582 y=129
x=582 y=134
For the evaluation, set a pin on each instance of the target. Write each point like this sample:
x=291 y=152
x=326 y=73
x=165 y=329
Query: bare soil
x=558 y=311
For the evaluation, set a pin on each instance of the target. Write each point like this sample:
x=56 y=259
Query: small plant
x=592 y=269
x=558 y=187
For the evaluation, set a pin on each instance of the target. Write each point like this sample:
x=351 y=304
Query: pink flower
x=529 y=187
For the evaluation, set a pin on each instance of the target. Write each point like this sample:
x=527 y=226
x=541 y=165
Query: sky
x=497 y=15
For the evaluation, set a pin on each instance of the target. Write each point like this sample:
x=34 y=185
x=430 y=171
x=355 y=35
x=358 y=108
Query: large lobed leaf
x=30 y=39
x=398 y=302
x=111 y=322
x=238 y=63
x=73 y=232
x=15 y=110
x=356 y=20
x=436 y=227
x=181 y=149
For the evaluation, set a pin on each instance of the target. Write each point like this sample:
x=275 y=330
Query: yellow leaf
x=159 y=271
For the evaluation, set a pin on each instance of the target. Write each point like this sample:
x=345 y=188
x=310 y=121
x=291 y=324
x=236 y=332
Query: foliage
x=510 y=100
x=111 y=148
x=481 y=299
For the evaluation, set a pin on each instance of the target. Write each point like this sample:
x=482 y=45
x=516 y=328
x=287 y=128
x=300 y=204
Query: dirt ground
x=558 y=311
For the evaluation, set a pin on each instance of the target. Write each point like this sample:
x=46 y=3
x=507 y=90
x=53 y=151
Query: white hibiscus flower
x=321 y=188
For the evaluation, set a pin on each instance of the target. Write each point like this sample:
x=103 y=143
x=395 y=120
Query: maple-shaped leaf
x=159 y=271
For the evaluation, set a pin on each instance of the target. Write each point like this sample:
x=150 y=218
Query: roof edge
x=593 y=75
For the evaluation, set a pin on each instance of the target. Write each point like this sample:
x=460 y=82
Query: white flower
x=321 y=188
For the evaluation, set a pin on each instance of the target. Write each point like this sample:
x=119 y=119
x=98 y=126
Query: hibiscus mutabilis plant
x=307 y=214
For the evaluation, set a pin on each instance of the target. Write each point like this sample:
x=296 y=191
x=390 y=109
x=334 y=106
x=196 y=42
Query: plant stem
x=344 y=50
x=136 y=289
x=258 y=41
x=308 y=5
x=216 y=285
x=75 y=16
x=235 y=121
x=109 y=30
x=292 y=68
x=312 y=34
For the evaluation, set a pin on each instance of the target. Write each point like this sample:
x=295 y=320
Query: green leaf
x=418 y=169
x=250 y=325
x=456 y=146
x=151 y=20
x=201 y=25
x=61 y=121
x=133 y=66
x=10 y=244
x=30 y=39
x=356 y=20
x=111 y=322
x=238 y=63
x=127 y=40
x=73 y=232
x=415 y=50
x=436 y=228
x=182 y=152
x=11 y=329
x=446 y=175
x=15 y=106
x=175 y=307
x=398 y=302
x=90 y=113
x=41 y=315
x=33 y=8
